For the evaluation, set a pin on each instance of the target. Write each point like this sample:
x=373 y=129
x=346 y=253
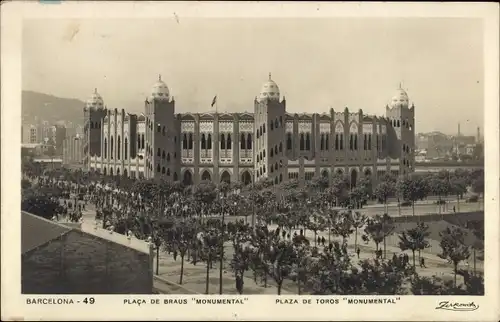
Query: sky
x=318 y=63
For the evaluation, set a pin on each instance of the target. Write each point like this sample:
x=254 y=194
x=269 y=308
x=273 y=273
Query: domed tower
x=269 y=133
x=401 y=117
x=162 y=134
x=93 y=112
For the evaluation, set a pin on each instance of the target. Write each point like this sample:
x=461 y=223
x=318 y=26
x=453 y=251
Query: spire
x=400 y=86
x=95 y=90
x=269 y=75
x=159 y=77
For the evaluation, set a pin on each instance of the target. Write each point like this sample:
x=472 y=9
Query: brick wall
x=79 y=263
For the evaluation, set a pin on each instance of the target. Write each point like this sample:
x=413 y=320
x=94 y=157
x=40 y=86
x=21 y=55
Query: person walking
x=422 y=262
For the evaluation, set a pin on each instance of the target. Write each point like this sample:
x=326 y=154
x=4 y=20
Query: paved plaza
x=194 y=277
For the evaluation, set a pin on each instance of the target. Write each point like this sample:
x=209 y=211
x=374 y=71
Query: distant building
x=73 y=150
x=30 y=134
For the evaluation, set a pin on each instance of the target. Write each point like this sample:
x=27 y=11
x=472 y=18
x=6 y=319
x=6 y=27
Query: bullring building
x=248 y=147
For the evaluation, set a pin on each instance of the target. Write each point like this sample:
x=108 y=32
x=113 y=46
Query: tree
x=478 y=183
x=282 y=257
x=387 y=229
x=414 y=239
x=411 y=188
x=374 y=230
x=458 y=187
x=209 y=245
x=375 y=278
x=329 y=271
x=453 y=247
x=239 y=234
x=383 y=191
x=344 y=226
x=358 y=220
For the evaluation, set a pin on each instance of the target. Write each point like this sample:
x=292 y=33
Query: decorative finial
x=159 y=77
x=269 y=76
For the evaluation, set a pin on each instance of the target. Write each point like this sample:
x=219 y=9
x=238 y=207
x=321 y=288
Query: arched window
x=91 y=125
x=118 y=154
x=242 y=141
x=158 y=128
x=302 y=143
x=271 y=153
x=281 y=177
x=184 y=141
x=397 y=123
x=369 y=141
x=209 y=142
x=112 y=151
x=125 y=154
x=203 y=142
x=264 y=129
x=142 y=142
x=289 y=141
x=229 y=143
x=190 y=143
x=281 y=147
x=163 y=131
x=351 y=142
x=355 y=142
x=322 y=142
x=175 y=176
x=264 y=153
x=271 y=125
x=168 y=171
x=276 y=150
x=377 y=139
x=158 y=168
x=327 y=147
x=276 y=166
x=138 y=141
x=341 y=141
x=163 y=170
x=276 y=123
x=308 y=142
x=365 y=141
x=105 y=148
x=168 y=157
x=163 y=155
x=159 y=152
x=222 y=142
x=249 y=141
x=336 y=141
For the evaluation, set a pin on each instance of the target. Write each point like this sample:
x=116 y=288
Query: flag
x=214 y=101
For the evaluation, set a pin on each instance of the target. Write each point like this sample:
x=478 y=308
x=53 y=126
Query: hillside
x=51 y=108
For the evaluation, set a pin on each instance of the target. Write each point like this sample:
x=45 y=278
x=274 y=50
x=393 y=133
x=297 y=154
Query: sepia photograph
x=220 y=156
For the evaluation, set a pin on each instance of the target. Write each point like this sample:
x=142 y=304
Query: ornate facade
x=248 y=147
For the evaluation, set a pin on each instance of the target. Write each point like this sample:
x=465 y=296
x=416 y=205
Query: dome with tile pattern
x=160 y=90
x=400 y=99
x=270 y=90
x=95 y=101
